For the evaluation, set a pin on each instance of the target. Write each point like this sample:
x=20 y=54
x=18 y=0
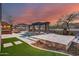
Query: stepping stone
x=18 y=42
x=7 y=45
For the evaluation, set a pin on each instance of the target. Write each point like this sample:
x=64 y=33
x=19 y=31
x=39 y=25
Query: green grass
x=24 y=50
x=0 y=47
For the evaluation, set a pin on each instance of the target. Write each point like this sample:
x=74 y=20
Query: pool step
x=27 y=40
x=34 y=39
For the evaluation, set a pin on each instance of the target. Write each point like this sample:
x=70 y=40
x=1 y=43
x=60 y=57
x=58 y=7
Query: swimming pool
x=27 y=34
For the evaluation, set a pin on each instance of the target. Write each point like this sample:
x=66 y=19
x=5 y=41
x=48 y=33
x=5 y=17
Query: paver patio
x=17 y=42
x=7 y=45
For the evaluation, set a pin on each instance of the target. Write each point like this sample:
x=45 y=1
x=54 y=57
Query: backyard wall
x=77 y=45
x=50 y=45
x=58 y=46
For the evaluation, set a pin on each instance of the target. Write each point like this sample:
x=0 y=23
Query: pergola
x=39 y=25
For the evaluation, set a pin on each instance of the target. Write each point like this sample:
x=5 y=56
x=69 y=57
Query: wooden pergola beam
x=39 y=24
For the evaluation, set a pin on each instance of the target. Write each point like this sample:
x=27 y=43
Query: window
x=8 y=26
x=4 y=26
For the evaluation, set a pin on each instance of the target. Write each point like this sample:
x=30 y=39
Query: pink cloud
x=46 y=13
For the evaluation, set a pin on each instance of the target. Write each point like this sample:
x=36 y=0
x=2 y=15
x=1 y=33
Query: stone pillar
x=39 y=28
x=33 y=27
x=29 y=28
x=46 y=27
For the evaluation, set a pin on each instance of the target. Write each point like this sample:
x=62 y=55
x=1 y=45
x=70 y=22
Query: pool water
x=27 y=34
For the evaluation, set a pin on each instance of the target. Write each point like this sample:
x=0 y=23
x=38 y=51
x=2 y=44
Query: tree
x=65 y=21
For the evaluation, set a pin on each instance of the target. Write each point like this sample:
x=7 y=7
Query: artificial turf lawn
x=24 y=49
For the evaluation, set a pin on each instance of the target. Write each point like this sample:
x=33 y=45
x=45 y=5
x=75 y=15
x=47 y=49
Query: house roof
x=5 y=23
x=62 y=39
x=40 y=23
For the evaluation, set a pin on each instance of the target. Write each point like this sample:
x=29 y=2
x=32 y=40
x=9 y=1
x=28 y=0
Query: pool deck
x=51 y=37
x=62 y=39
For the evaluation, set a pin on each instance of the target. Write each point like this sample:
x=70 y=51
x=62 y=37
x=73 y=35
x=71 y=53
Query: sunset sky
x=28 y=13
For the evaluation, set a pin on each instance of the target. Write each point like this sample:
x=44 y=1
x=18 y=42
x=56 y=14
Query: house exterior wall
x=20 y=27
x=6 y=32
x=6 y=28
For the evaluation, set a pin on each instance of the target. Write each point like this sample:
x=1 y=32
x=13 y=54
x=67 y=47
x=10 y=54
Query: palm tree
x=9 y=18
